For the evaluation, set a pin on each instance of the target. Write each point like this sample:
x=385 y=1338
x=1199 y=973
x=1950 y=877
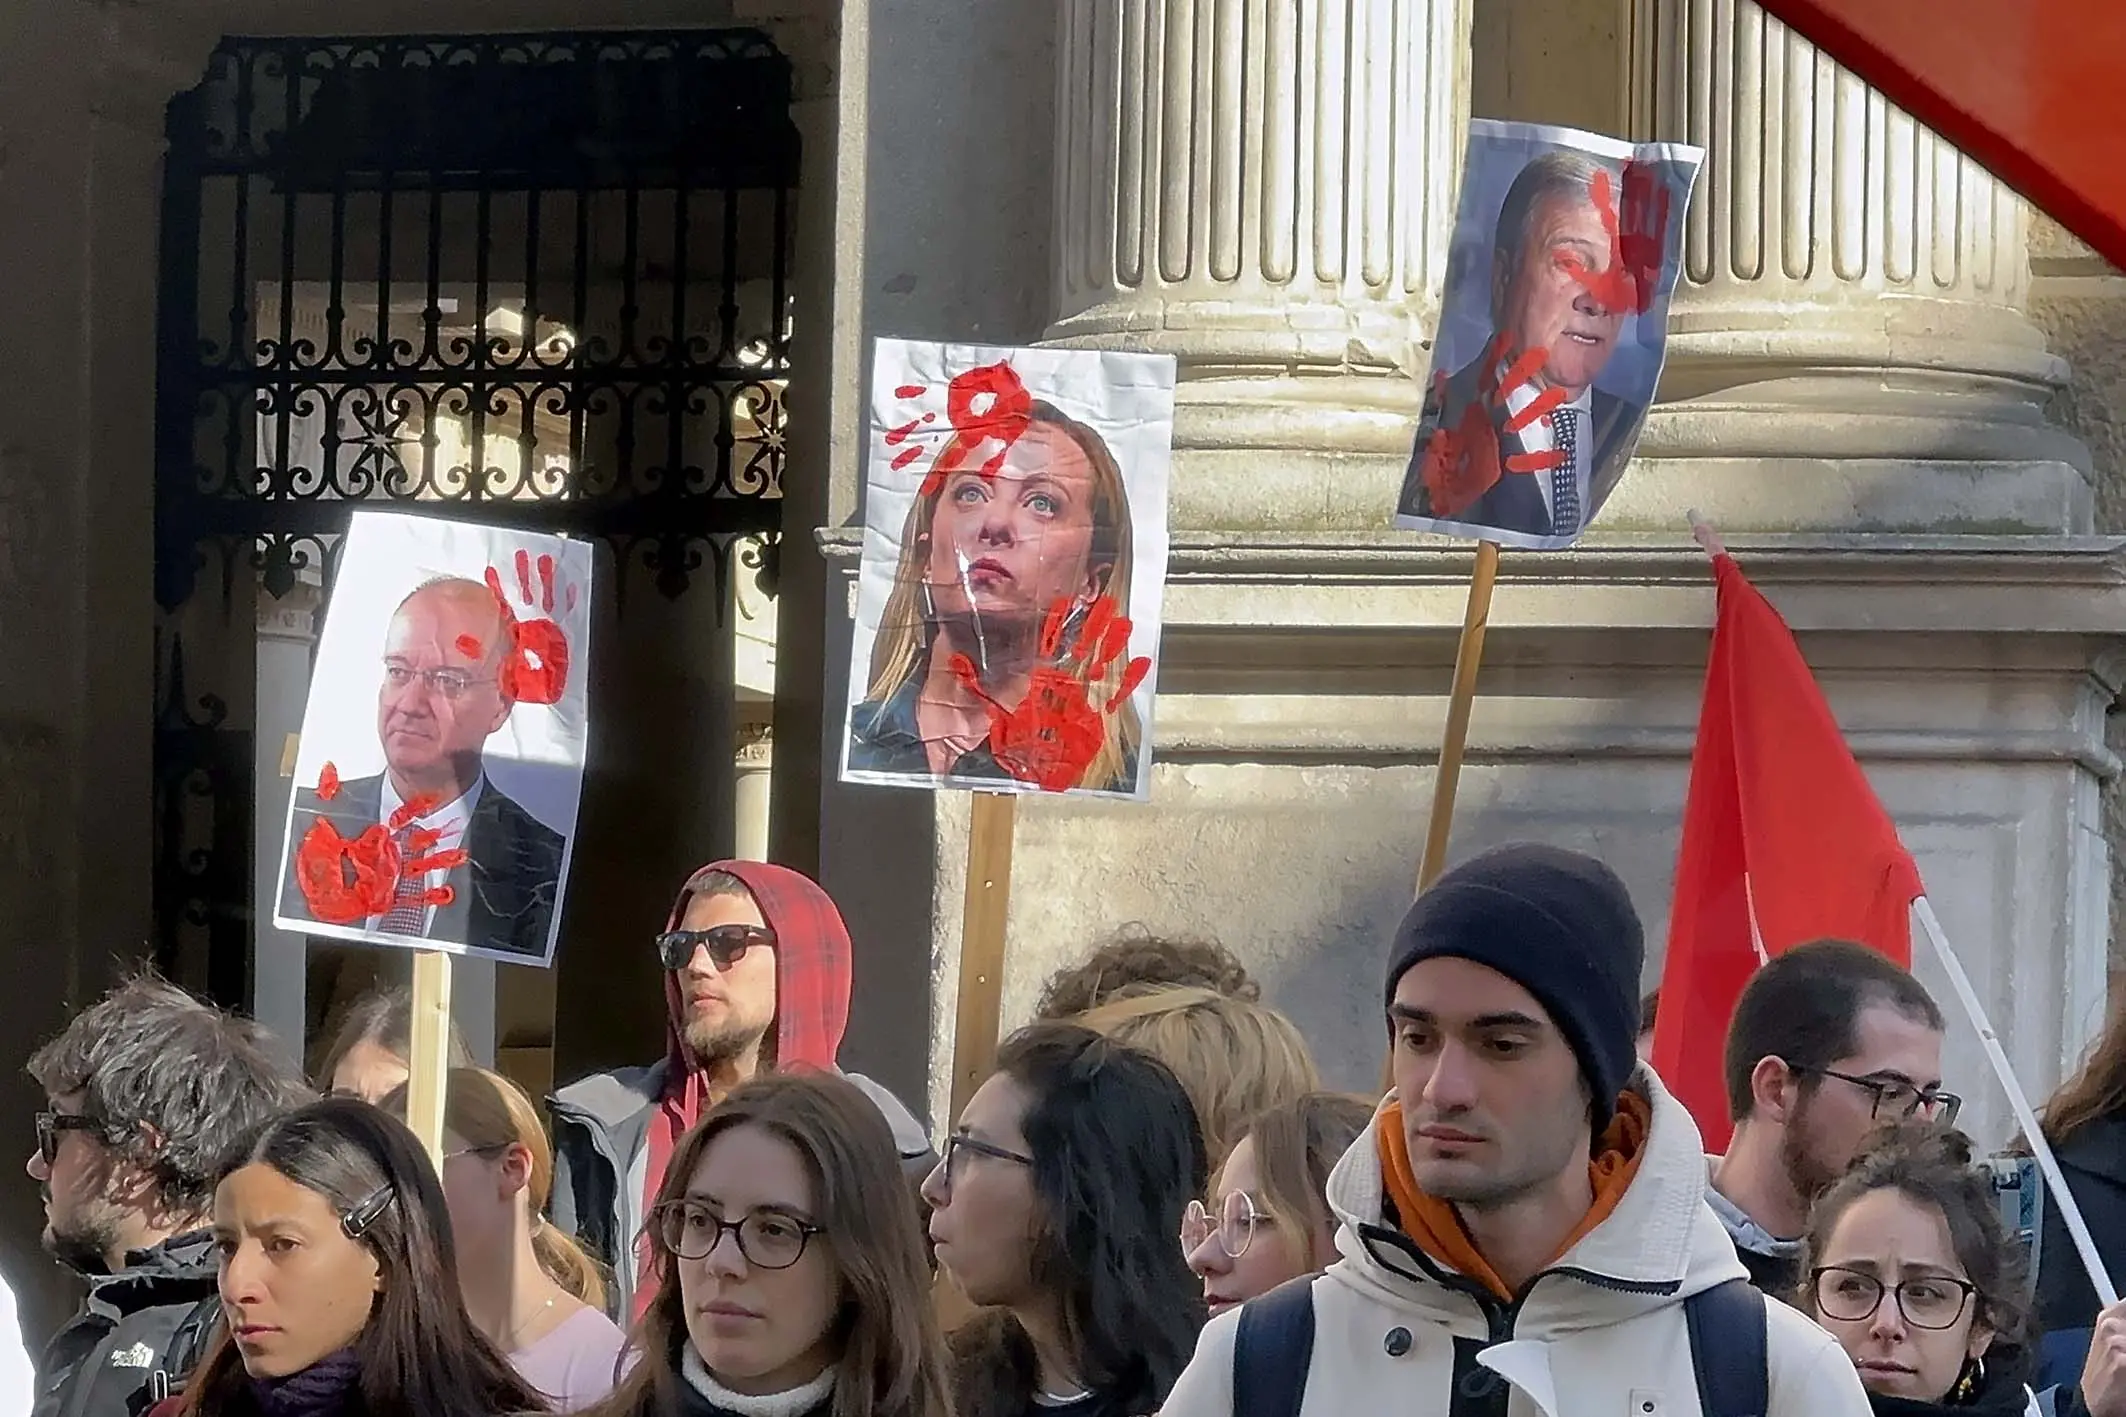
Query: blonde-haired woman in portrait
x=983 y=561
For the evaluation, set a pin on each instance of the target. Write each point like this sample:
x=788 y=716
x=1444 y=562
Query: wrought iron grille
x=536 y=280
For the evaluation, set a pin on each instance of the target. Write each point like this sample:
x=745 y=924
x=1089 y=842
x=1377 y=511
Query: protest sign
x=1007 y=614
x=441 y=759
x=1553 y=328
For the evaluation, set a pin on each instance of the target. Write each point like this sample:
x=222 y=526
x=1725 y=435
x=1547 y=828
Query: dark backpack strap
x=1729 y=1351
x=188 y=1345
x=1273 y=1349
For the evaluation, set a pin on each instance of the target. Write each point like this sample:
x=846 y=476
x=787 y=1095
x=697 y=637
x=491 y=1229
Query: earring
x=1973 y=1375
x=930 y=609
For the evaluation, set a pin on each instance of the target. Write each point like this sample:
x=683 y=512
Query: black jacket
x=2093 y=1160
x=137 y=1335
x=505 y=892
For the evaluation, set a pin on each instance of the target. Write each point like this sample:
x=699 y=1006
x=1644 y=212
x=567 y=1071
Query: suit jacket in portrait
x=1515 y=503
x=504 y=893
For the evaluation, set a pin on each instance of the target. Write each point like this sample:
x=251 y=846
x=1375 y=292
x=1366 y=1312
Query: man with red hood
x=756 y=980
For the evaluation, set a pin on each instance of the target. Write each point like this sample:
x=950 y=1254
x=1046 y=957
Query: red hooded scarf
x=811 y=1005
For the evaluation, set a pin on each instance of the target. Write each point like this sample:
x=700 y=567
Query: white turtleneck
x=793 y=1403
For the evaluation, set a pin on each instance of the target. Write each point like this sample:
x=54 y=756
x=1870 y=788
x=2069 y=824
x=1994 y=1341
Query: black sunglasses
x=51 y=1124
x=727 y=944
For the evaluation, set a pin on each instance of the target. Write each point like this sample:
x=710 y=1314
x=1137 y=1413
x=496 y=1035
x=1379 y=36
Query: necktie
x=408 y=911
x=1565 y=477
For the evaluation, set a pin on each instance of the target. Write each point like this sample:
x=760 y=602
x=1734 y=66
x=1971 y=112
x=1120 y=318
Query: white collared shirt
x=447 y=821
x=1539 y=437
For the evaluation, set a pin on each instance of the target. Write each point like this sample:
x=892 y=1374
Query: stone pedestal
x=755 y=768
x=1848 y=348
x=1264 y=190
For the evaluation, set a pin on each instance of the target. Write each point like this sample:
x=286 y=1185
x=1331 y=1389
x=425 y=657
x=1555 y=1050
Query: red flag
x=1784 y=842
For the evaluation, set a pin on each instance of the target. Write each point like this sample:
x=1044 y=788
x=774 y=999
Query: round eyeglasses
x=768 y=1239
x=1926 y=1301
x=1234 y=1226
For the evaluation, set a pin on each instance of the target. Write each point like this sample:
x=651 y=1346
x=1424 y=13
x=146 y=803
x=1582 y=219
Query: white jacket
x=1598 y=1334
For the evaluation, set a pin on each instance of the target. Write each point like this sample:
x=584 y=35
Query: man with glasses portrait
x=440 y=696
x=148 y=1091
x=1828 y=1042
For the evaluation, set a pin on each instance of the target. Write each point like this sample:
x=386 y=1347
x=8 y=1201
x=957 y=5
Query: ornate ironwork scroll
x=537 y=280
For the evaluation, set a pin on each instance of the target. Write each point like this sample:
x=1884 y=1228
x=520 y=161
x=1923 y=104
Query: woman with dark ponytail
x=339 y=1283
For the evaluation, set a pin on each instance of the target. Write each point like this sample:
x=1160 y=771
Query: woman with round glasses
x=1056 y=1206
x=1908 y=1266
x=1269 y=1218
x=790 y=1278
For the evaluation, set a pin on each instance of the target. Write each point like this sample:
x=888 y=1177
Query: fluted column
x=1264 y=189
x=1853 y=288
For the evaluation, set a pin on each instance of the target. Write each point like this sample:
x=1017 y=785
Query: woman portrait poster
x=1007 y=619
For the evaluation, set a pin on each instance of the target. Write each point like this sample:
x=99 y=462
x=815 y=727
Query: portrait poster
x=1553 y=327
x=1008 y=605
x=440 y=767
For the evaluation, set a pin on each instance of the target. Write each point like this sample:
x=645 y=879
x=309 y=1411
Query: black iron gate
x=536 y=280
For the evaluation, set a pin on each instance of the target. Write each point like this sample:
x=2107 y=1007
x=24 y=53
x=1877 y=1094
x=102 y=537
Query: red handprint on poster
x=1056 y=731
x=347 y=880
x=1464 y=459
x=1638 y=235
x=535 y=660
x=986 y=404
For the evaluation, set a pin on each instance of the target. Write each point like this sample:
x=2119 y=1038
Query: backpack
x=188 y=1344
x=1273 y=1349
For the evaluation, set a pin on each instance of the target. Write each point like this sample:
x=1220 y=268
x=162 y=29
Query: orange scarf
x=1438 y=1231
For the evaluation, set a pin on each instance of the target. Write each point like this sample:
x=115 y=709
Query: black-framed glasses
x=1927 y=1301
x=51 y=1124
x=1898 y=1098
x=727 y=944
x=1235 y=1224
x=960 y=1143
x=449 y=684
x=768 y=1239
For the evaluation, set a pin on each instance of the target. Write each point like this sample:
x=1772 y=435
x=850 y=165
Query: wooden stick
x=982 y=919
x=1468 y=655
x=428 y=1070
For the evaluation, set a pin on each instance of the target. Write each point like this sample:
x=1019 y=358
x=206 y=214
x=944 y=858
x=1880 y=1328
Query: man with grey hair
x=495 y=870
x=150 y=1091
x=1556 y=320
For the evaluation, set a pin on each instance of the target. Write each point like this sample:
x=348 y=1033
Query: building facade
x=1889 y=384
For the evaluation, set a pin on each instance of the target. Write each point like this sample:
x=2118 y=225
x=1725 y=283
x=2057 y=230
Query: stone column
x=1265 y=190
x=1850 y=318
x=749 y=795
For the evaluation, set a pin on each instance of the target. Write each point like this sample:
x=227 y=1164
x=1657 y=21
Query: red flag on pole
x=1784 y=842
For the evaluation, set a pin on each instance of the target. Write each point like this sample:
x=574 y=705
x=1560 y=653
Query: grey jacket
x=601 y=1162
x=137 y=1335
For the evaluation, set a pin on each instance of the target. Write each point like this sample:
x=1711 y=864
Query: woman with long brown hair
x=2086 y=1123
x=1004 y=573
x=339 y=1281
x=789 y=1262
x=531 y=1289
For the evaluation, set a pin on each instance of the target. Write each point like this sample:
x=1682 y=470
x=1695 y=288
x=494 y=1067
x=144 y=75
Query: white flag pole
x=2055 y=1183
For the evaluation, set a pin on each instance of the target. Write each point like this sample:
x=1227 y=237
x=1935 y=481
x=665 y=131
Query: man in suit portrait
x=442 y=693
x=1550 y=248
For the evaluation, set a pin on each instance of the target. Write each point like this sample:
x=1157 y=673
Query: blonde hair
x=1236 y=1059
x=1297 y=1144
x=486 y=1112
x=901 y=650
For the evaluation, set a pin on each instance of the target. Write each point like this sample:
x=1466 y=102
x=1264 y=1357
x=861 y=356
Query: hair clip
x=356 y=1222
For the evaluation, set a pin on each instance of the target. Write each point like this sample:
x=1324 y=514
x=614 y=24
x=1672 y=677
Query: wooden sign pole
x=1468 y=656
x=982 y=918
x=428 y=1070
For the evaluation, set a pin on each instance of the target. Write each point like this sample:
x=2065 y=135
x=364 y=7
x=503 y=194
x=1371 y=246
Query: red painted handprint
x=345 y=881
x=535 y=657
x=1054 y=734
x=1463 y=459
x=1005 y=409
x=1637 y=238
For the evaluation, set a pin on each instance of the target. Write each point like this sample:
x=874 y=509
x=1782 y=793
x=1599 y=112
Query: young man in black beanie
x=1526 y=1180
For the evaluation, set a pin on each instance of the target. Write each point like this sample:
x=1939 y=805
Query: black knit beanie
x=1560 y=925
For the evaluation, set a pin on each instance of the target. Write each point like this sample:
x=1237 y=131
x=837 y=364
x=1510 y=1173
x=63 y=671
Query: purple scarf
x=327 y=1388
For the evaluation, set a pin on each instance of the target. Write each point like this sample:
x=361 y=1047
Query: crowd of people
x=1152 y=1205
